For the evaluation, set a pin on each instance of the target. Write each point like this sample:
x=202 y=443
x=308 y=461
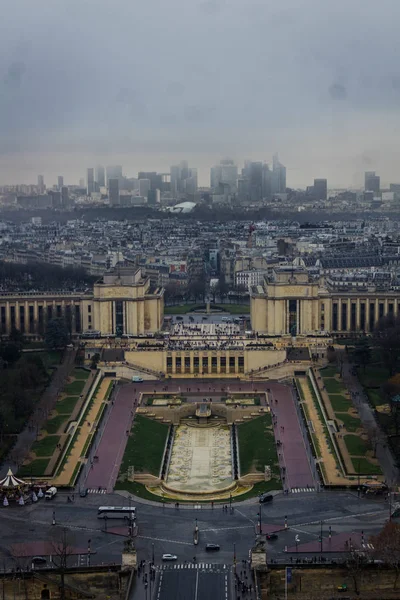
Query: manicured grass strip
x=145 y=447
x=328 y=372
x=36 y=468
x=366 y=467
x=355 y=445
x=256 y=445
x=75 y=388
x=46 y=446
x=351 y=423
x=66 y=405
x=333 y=386
x=80 y=374
x=54 y=424
x=339 y=403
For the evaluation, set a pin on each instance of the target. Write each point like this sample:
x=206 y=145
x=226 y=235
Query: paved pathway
x=111 y=448
x=360 y=400
x=88 y=427
x=292 y=453
x=39 y=417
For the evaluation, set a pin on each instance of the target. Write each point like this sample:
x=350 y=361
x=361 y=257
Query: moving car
x=83 y=492
x=212 y=547
x=265 y=498
x=272 y=536
x=137 y=379
x=169 y=557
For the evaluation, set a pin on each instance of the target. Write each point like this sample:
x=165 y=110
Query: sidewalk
x=383 y=452
x=39 y=417
x=87 y=429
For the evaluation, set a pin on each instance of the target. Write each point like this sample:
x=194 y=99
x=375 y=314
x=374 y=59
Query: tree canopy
x=57 y=334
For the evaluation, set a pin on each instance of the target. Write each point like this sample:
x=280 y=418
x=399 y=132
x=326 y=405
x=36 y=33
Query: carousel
x=13 y=489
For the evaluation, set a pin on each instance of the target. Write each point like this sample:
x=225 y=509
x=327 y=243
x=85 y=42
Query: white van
x=137 y=379
x=50 y=493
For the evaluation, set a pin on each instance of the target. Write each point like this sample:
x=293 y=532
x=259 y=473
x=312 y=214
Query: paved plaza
x=110 y=445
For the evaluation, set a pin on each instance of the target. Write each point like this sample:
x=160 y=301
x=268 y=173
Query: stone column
x=349 y=314
x=358 y=314
x=339 y=319
x=8 y=317
x=36 y=316
x=218 y=363
x=26 y=317
x=367 y=310
x=298 y=326
x=191 y=362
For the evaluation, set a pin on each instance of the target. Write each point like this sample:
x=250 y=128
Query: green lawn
x=333 y=386
x=339 y=402
x=351 y=423
x=75 y=388
x=355 y=445
x=49 y=358
x=36 y=468
x=375 y=397
x=46 y=446
x=365 y=467
x=66 y=405
x=257 y=445
x=234 y=309
x=80 y=374
x=328 y=372
x=145 y=447
x=54 y=424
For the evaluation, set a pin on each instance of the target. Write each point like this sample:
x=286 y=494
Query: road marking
x=245 y=516
x=143 y=537
x=365 y=514
x=229 y=528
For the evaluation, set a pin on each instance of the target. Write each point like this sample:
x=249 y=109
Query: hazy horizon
x=146 y=85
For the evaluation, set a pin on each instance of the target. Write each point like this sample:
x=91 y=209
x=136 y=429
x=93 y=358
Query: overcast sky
x=145 y=83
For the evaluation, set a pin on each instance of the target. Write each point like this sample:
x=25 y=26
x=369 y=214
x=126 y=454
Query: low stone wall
x=174 y=414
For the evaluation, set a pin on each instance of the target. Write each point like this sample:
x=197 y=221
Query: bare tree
x=387 y=547
x=356 y=561
x=62 y=549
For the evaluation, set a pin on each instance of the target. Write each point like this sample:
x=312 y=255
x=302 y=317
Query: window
x=89 y=308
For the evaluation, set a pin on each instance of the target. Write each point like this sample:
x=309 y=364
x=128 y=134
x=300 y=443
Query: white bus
x=117 y=512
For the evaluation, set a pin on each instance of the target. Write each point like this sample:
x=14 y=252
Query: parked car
x=83 y=492
x=136 y=379
x=169 y=557
x=212 y=547
x=265 y=498
x=272 y=536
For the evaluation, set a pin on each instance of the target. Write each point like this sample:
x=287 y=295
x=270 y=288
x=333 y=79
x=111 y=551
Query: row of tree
x=42 y=276
x=197 y=290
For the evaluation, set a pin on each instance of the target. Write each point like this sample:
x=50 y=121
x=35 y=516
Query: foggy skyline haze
x=147 y=84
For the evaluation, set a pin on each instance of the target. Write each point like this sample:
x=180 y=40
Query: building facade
x=291 y=302
x=122 y=302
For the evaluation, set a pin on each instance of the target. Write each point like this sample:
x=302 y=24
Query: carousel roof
x=10 y=481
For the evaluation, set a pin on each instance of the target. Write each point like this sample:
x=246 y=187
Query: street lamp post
x=54 y=518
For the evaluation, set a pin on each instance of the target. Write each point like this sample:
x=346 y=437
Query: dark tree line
x=42 y=276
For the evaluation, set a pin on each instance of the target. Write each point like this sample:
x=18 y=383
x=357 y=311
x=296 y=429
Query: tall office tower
x=253 y=173
x=278 y=176
x=114 y=172
x=154 y=178
x=100 y=176
x=266 y=182
x=40 y=182
x=144 y=187
x=153 y=197
x=90 y=181
x=60 y=181
x=113 y=191
x=175 y=178
x=224 y=174
x=320 y=189
x=64 y=196
x=372 y=182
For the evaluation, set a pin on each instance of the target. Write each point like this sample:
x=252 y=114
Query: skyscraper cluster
x=183 y=179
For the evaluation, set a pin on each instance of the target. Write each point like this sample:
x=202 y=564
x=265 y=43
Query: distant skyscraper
x=64 y=196
x=183 y=179
x=113 y=191
x=224 y=174
x=40 y=182
x=320 y=189
x=60 y=181
x=114 y=172
x=372 y=182
x=144 y=187
x=266 y=182
x=90 y=181
x=278 y=176
x=100 y=176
